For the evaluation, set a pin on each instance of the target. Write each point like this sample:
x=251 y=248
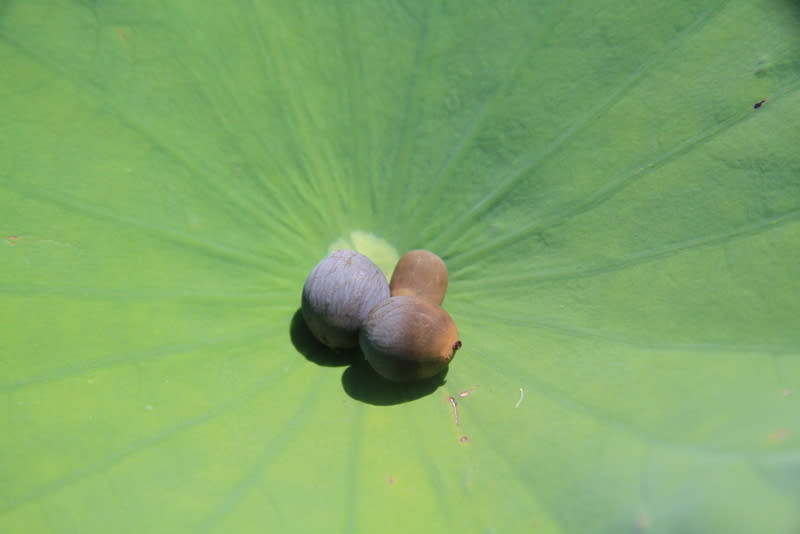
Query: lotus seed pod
x=338 y=295
x=406 y=338
x=420 y=273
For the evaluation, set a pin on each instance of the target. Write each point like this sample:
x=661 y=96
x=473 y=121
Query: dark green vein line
x=4 y=5
x=766 y=469
x=303 y=189
x=324 y=152
x=608 y=191
x=632 y=260
x=296 y=423
x=117 y=457
x=286 y=222
x=525 y=477
x=433 y=473
x=117 y=497
x=308 y=181
x=593 y=334
x=255 y=297
x=269 y=71
x=409 y=12
x=565 y=213
x=398 y=172
x=280 y=214
x=214 y=250
x=354 y=456
x=433 y=199
x=353 y=95
x=646 y=486
x=566 y=401
x=479 y=434
x=180 y=158
x=253 y=335
x=534 y=160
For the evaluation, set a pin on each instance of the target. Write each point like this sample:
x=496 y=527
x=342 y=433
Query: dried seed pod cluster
x=410 y=336
x=404 y=332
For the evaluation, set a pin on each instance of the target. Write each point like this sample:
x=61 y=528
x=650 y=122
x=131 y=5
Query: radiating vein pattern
x=615 y=188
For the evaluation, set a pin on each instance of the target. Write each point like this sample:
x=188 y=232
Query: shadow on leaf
x=314 y=351
x=362 y=383
x=359 y=380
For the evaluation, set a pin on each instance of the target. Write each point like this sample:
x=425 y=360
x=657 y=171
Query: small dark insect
x=456 y=346
x=759 y=103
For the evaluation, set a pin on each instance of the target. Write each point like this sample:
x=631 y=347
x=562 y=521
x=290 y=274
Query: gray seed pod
x=338 y=295
x=407 y=338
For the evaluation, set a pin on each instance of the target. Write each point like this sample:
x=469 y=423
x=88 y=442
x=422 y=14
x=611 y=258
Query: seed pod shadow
x=314 y=351
x=363 y=384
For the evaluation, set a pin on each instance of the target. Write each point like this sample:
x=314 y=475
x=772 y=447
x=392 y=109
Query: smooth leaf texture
x=621 y=225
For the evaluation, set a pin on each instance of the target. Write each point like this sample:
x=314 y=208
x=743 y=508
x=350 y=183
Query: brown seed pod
x=420 y=273
x=405 y=338
x=338 y=295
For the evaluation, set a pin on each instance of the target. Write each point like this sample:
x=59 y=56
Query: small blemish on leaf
x=643 y=521
x=778 y=435
x=122 y=34
x=521 y=397
x=454 y=404
x=468 y=392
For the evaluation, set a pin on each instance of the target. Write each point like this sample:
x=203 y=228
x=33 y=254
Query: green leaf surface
x=621 y=225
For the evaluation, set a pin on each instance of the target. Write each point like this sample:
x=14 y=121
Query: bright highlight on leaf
x=621 y=228
x=378 y=250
